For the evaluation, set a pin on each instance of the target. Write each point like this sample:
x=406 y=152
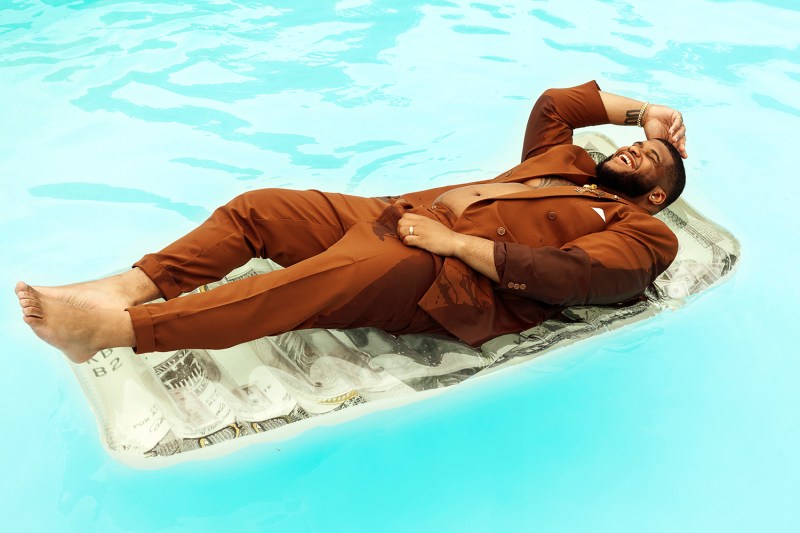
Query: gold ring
x=411 y=230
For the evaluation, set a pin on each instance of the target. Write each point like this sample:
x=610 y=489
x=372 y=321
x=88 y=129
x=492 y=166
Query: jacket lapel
x=556 y=192
x=565 y=161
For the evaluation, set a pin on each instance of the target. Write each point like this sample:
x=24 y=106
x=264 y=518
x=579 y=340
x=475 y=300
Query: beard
x=623 y=183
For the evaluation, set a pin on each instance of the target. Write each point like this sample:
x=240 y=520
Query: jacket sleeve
x=606 y=267
x=559 y=111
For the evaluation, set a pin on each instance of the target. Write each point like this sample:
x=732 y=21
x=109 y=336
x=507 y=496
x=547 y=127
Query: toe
x=25 y=301
x=21 y=286
x=33 y=311
x=32 y=321
x=26 y=295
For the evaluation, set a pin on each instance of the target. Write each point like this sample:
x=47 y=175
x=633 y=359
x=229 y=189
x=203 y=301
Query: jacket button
x=551 y=215
x=522 y=286
x=501 y=230
x=510 y=285
x=516 y=285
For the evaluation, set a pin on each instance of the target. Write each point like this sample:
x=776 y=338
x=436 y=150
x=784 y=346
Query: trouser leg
x=284 y=225
x=366 y=278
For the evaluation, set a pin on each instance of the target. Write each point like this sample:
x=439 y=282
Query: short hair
x=675 y=179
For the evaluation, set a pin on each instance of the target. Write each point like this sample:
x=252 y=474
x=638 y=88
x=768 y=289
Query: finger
x=410 y=216
x=411 y=240
x=677 y=123
x=678 y=135
x=405 y=219
x=404 y=230
x=681 y=146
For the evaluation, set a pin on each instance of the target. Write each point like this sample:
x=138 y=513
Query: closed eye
x=650 y=153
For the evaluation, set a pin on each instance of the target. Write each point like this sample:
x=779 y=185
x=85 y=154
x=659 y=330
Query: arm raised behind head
x=557 y=112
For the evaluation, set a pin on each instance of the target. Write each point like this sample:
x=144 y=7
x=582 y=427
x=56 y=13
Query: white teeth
x=625 y=159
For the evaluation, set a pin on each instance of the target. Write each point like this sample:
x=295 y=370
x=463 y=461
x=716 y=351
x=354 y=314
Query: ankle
x=114 y=330
x=139 y=287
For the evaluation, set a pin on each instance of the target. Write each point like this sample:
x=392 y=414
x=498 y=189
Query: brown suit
x=554 y=247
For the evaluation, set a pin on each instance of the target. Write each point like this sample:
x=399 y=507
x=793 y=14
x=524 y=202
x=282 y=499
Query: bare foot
x=115 y=292
x=79 y=332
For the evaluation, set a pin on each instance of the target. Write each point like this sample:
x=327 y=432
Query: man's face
x=634 y=170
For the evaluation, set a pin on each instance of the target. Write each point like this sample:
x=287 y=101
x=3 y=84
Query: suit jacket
x=554 y=247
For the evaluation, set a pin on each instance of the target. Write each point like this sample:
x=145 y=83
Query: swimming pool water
x=125 y=123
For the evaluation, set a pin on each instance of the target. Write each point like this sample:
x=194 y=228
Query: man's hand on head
x=658 y=121
x=666 y=123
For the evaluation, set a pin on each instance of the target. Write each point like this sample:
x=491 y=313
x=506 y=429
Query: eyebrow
x=651 y=152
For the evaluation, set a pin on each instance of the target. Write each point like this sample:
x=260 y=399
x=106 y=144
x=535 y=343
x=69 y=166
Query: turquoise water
x=126 y=123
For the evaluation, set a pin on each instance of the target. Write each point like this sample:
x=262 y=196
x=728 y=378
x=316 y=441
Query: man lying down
x=474 y=261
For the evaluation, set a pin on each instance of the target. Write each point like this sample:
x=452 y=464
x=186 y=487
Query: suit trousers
x=345 y=267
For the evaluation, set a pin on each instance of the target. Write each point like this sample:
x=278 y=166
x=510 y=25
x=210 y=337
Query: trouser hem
x=159 y=275
x=143 y=330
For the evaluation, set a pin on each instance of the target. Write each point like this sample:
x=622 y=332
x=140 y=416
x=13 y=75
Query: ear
x=655 y=198
x=653 y=201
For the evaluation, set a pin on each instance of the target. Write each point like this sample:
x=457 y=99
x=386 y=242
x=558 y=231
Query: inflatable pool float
x=161 y=408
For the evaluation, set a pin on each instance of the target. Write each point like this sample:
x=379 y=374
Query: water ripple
x=717 y=61
x=771 y=103
x=558 y=22
x=627 y=14
x=364 y=171
x=498 y=59
x=100 y=192
x=478 y=30
x=494 y=11
x=638 y=39
x=239 y=173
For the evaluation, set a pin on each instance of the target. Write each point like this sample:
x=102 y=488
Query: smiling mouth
x=627 y=160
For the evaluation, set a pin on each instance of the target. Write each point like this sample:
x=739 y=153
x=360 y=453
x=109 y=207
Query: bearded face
x=629 y=183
